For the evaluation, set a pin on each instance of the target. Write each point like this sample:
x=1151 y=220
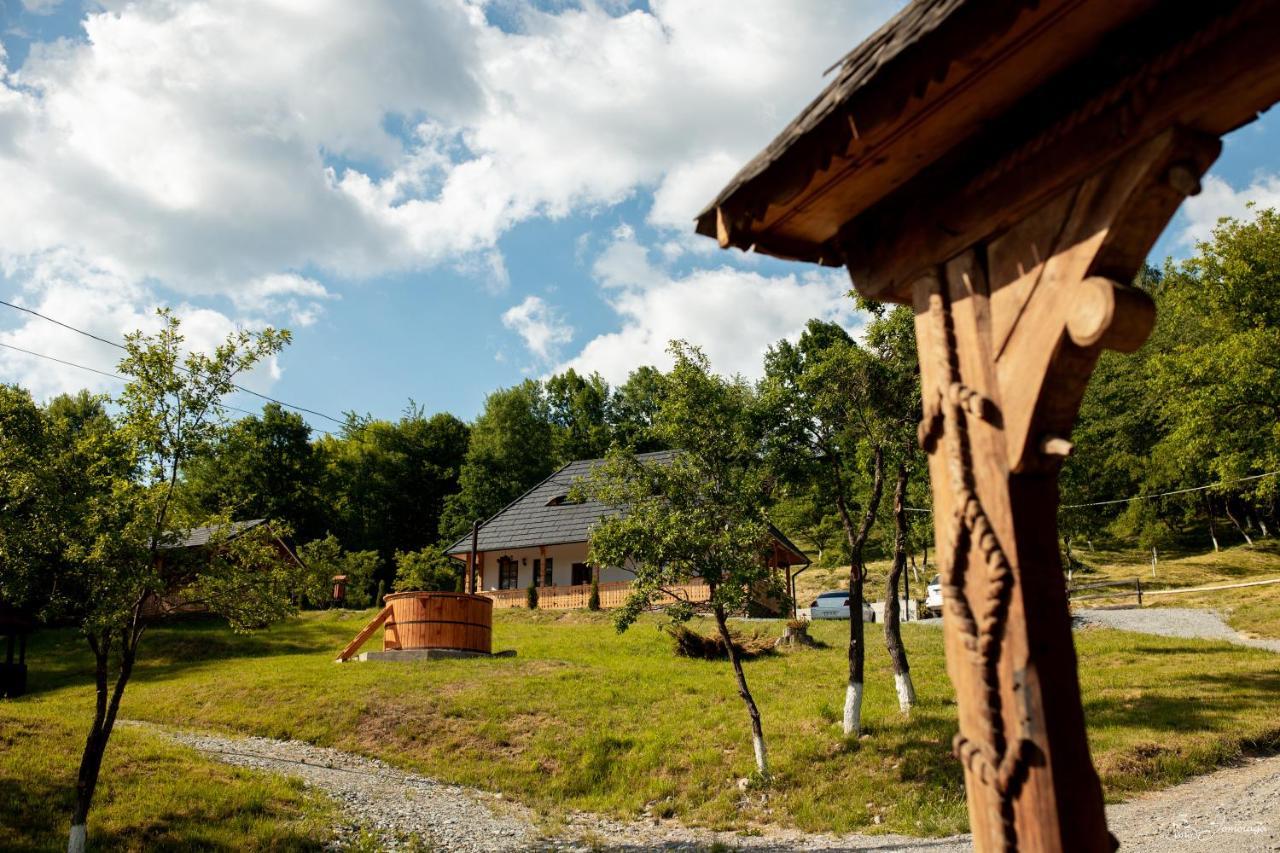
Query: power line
x=61 y=361
x=120 y=346
x=1174 y=492
x=120 y=378
x=1146 y=497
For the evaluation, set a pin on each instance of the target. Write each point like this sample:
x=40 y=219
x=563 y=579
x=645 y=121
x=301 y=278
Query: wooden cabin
x=193 y=544
x=541 y=539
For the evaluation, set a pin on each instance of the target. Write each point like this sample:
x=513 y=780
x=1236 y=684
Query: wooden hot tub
x=439 y=620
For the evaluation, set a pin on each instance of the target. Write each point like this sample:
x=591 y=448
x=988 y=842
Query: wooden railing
x=1128 y=587
x=612 y=594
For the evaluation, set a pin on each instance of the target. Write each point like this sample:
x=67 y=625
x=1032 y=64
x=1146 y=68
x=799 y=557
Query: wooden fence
x=1134 y=588
x=612 y=594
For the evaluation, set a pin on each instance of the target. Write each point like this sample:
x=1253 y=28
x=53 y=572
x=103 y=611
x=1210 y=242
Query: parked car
x=835 y=605
x=933 y=596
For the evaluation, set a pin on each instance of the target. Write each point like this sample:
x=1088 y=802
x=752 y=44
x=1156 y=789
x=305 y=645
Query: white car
x=933 y=596
x=835 y=605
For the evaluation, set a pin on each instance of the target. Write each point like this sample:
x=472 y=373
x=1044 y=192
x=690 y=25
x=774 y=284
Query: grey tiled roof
x=533 y=519
x=199 y=536
x=529 y=521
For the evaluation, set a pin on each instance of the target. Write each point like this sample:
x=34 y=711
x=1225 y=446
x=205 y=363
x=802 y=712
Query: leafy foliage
x=429 y=569
x=327 y=559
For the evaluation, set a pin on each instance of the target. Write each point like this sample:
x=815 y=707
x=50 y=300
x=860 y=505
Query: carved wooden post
x=1008 y=334
x=1006 y=166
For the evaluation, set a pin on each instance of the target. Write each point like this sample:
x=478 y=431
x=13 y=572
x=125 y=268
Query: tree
x=109 y=494
x=510 y=452
x=891 y=339
x=1219 y=380
x=578 y=407
x=821 y=397
x=261 y=467
x=386 y=483
x=429 y=569
x=699 y=514
x=327 y=559
x=632 y=409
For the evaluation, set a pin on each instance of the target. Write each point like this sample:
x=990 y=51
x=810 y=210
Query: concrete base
x=430 y=654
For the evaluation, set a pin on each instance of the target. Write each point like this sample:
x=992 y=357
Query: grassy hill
x=584 y=719
x=1252 y=610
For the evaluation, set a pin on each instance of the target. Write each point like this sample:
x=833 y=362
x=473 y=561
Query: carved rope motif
x=994 y=759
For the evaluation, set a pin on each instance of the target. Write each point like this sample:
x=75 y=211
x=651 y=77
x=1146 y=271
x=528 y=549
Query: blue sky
x=438 y=199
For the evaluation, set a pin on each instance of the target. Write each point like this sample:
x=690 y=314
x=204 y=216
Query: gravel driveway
x=1231 y=811
x=1171 y=622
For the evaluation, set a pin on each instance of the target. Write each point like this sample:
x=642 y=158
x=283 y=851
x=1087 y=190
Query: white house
x=541 y=537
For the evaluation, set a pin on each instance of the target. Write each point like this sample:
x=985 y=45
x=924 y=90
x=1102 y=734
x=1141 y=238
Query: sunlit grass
x=1253 y=610
x=588 y=719
x=153 y=795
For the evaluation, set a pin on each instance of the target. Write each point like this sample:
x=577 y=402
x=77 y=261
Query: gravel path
x=1172 y=622
x=1236 y=810
x=375 y=797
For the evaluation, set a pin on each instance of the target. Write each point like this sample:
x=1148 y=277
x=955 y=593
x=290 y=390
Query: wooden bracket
x=1053 y=285
x=1009 y=331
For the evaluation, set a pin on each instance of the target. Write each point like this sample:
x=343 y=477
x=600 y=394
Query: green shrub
x=531 y=597
x=430 y=570
x=593 y=601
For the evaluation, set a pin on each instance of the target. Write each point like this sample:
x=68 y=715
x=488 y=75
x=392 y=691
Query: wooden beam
x=1217 y=82
x=365 y=633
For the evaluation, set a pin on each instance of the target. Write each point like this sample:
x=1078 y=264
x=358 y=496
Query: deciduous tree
x=699 y=514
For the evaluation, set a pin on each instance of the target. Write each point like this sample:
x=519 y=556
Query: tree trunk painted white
x=762 y=754
x=75 y=843
x=853 y=709
x=1263 y=526
x=906 y=691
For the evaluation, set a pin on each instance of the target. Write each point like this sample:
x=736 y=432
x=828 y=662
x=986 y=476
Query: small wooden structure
x=1004 y=167
x=14 y=628
x=451 y=621
x=339 y=590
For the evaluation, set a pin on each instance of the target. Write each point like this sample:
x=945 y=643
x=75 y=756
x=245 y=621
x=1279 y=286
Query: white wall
x=563 y=557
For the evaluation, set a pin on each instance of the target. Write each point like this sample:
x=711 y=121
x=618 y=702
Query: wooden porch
x=612 y=594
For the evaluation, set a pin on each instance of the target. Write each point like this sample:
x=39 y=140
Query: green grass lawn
x=152 y=795
x=1253 y=610
x=583 y=719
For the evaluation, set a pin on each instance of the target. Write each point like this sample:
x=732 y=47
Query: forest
x=832 y=420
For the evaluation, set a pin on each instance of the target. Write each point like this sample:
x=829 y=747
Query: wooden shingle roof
x=538 y=518
x=541 y=516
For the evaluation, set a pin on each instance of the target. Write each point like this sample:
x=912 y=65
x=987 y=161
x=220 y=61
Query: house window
x=537 y=572
x=581 y=574
x=508 y=571
x=549 y=580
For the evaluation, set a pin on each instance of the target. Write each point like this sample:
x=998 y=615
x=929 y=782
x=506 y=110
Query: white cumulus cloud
x=218 y=149
x=733 y=315
x=539 y=326
x=1217 y=198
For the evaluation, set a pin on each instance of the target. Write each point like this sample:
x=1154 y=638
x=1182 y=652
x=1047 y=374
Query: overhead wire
x=120 y=346
x=339 y=421
x=1174 y=491
x=225 y=406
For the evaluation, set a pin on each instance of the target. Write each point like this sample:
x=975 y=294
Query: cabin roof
x=886 y=53
x=535 y=518
x=946 y=94
x=198 y=537
x=539 y=517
